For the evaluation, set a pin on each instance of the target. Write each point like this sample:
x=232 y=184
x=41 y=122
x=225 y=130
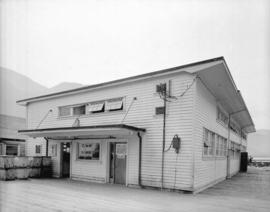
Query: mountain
x=259 y=143
x=64 y=86
x=13 y=87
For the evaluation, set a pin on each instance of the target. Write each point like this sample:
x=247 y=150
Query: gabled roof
x=196 y=66
x=213 y=73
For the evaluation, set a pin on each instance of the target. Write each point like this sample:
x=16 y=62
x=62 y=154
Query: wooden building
x=11 y=143
x=181 y=128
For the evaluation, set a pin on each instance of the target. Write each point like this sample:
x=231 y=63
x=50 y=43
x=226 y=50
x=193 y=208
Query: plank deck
x=244 y=192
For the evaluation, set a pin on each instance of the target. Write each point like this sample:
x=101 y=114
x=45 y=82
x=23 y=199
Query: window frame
x=12 y=145
x=40 y=149
x=78 y=106
x=87 y=143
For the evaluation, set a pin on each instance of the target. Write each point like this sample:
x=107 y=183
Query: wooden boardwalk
x=244 y=192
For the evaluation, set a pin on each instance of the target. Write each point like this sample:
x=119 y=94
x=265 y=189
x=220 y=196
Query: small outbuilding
x=182 y=128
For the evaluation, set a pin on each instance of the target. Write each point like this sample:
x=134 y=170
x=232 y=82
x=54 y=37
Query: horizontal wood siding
x=91 y=170
x=178 y=170
x=208 y=170
x=30 y=146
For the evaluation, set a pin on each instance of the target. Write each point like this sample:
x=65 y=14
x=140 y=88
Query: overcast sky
x=88 y=42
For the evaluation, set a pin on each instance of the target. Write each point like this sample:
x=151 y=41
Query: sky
x=88 y=42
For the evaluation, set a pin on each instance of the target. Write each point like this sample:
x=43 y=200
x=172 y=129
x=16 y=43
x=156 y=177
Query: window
x=160 y=110
x=11 y=149
x=221 y=146
x=114 y=104
x=161 y=88
x=89 y=151
x=38 y=149
x=79 y=110
x=97 y=107
x=209 y=143
x=221 y=116
x=54 y=150
x=64 y=111
x=234 y=128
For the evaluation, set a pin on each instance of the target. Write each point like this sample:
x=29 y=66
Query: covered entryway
x=94 y=153
x=65 y=159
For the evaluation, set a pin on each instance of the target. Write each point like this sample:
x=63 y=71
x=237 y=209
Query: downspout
x=47 y=146
x=228 y=151
x=140 y=159
x=163 y=144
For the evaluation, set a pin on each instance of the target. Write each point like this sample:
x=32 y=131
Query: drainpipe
x=228 y=151
x=163 y=143
x=47 y=146
x=140 y=158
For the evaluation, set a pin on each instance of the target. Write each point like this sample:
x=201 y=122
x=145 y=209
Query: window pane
x=96 y=107
x=11 y=149
x=114 y=104
x=80 y=110
x=38 y=149
x=64 y=111
x=88 y=151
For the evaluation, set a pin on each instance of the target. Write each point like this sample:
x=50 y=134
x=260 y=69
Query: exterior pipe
x=163 y=143
x=47 y=146
x=228 y=151
x=140 y=159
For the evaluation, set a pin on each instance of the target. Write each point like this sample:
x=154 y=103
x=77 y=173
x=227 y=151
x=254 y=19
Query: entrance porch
x=103 y=154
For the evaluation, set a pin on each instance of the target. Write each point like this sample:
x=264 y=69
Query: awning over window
x=96 y=107
x=114 y=105
x=114 y=130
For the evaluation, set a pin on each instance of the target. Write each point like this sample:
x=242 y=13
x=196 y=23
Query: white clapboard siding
x=209 y=170
x=30 y=146
x=177 y=171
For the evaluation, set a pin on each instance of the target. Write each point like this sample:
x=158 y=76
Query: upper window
x=64 y=111
x=79 y=110
x=114 y=104
x=221 y=116
x=234 y=127
x=96 y=107
x=89 y=151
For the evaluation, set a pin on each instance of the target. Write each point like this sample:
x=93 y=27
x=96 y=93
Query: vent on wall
x=160 y=110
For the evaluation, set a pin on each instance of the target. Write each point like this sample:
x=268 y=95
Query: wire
x=43 y=118
x=135 y=98
x=169 y=147
x=189 y=86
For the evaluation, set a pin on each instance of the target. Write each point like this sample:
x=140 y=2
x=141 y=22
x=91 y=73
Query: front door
x=118 y=162
x=65 y=159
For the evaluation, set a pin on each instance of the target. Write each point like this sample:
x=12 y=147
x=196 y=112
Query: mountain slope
x=64 y=86
x=13 y=87
x=259 y=143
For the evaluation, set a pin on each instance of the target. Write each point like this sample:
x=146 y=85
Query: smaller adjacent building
x=12 y=143
x=182 y=128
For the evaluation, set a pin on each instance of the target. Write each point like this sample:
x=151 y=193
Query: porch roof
x=82 y=131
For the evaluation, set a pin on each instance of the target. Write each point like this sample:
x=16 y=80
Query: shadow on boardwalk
x=244 y=192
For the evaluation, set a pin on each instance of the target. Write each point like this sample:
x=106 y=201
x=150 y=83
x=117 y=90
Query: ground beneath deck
x=244 y=192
